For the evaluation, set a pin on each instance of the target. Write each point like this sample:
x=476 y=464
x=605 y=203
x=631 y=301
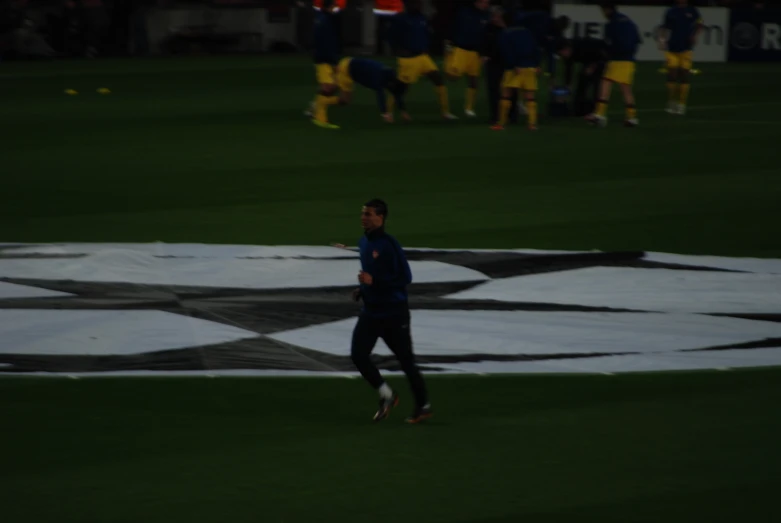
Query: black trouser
x=587 y=90
x=493 y=78
x=395 y=332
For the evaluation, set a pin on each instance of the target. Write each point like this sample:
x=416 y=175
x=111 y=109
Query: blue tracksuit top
x=519 y=48
x=469 y=27
x=622 y=38
x=409 y=34
x=377 y=77
x=383 y=258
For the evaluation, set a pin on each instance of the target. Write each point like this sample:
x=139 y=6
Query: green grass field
x=216 y=150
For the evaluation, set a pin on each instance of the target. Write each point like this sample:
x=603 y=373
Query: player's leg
x=432 y=72
x=599 y=116
x=510 y=84
x=365 y=335
x=684 y=79
x=493 y=81
x=672 y=66
x=529 y=85
x=629 y=100
x=473 y=77
x=326 y=96
x=398 y=338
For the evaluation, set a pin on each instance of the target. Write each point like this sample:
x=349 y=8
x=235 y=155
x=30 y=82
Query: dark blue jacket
x=541 y=25
x=622 y=38
x=519 y=48
x=409 y=34
x=682 y=22
x=377 y=77
x=326 y=43
x=383 y=258
x=469 y=27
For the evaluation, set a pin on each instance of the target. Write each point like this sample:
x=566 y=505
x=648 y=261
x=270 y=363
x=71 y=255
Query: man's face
x=482 y=4
x=370 y=220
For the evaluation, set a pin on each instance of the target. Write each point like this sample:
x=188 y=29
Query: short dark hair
x=379 y=206
x=608 y=4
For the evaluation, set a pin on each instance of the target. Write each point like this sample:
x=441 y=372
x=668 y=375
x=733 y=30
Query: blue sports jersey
x=622 y=38
x=377 y=77
x=409 y=34
x=469 y=27
x=519 y=48
x=681 y=22
x=541 y=26
x=326 y=43
x=383 y=258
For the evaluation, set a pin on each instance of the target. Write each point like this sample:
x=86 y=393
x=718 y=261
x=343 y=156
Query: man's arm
x=700 y=26
x=664 y=30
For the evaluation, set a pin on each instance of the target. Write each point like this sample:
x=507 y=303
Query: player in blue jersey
x=521 y=60
x=375 y=76
x=623 y=39
x=463 y=57
x=326 y=58
x=408 y=34
x=680 y=28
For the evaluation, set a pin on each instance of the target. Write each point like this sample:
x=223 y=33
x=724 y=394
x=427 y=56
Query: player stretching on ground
x=464 y=59
x=375 y=76
x=521 y=59
x=622 y=39
x=409 y=35
x=326 y=56
x=682 y=24
x=385 y=314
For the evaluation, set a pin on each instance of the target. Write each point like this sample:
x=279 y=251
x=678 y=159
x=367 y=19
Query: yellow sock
x=601 y=108
x=444 y=104
x=631 y=112
x=471 y=96
x=531 y=108
x=684 y=93
x=672 y=90
x=504 y=111
x=321 y=106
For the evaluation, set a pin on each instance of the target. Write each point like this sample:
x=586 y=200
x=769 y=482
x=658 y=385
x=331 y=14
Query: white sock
x=385 y=391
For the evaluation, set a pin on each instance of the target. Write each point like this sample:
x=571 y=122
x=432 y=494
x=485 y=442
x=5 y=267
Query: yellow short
x=620 y=72
x=343 y=78
x=325 y=74
x=462 y=62
x=526 y=79
x=679 y=60
x=411 y=69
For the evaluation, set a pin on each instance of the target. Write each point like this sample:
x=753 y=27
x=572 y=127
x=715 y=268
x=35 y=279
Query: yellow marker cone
x=71 y=91
x=104 y=90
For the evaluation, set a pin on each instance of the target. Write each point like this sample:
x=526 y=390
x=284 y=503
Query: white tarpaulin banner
x=712 y=45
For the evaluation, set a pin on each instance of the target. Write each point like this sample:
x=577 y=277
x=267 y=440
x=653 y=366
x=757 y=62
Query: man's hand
x=356 y=294
x=365 y=277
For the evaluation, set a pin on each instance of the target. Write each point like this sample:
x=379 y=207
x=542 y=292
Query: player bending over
x=622 y=39
x=409 y=37
x=682 y=24
x=464 y=59
x=375 y=76
x=326 y=56
x=521 y=59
